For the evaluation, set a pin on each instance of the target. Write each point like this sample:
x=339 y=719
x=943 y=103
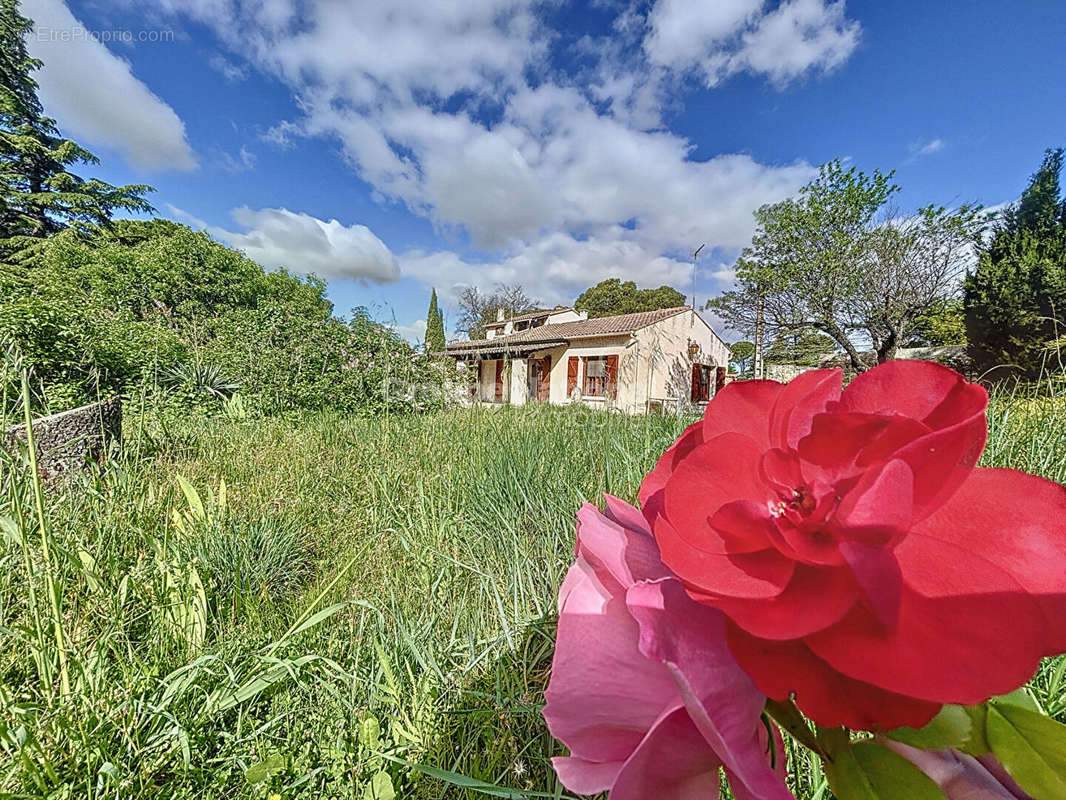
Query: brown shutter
x=612 y=377
x=719 y=379
x=696 y=393
x=499 y=380
x=571 y=376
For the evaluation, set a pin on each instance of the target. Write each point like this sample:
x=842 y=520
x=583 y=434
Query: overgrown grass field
x=312 y=605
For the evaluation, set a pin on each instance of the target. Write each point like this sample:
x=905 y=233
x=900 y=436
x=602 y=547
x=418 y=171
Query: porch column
x=519 y=381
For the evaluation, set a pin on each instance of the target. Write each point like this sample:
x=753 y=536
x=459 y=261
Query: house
x=632 y=362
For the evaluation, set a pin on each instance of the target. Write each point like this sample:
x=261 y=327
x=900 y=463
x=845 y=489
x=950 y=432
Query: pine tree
x=1015 y=301
x=39 y=196
x=435 y=341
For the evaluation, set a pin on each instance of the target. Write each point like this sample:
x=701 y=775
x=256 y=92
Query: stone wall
x=66 y=441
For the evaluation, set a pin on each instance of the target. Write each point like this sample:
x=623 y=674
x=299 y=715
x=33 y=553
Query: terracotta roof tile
x=564 y=331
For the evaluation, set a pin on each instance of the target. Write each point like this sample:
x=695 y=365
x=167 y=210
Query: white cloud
x=243 y=161
x=451 y=109
x=927 y=148
x=553 y=269
x=281 y=239
x=95 y=96
x=234 y=73
x=415 y=333
x=682 y=32
x=724 y=38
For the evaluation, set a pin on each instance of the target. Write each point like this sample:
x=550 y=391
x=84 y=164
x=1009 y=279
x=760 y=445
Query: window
x=595 y=377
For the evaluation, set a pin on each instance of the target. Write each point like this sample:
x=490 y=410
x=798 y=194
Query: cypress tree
x=1015 y=301
x=38 y=194
x=435 y=341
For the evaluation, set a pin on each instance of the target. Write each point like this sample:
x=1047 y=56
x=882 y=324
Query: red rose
x=862 y=560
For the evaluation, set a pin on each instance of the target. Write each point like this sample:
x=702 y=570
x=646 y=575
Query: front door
x=540 y=379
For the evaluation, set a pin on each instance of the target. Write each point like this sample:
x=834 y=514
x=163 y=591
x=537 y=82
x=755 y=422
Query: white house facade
x=650 y=360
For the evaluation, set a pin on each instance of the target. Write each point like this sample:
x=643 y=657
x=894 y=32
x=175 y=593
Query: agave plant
x=196 y=377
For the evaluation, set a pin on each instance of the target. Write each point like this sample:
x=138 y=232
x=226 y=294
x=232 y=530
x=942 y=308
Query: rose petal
x=921 y=390
x=742 y=407
x=752 y=575
x=813 y=600
x=604 y=695
x=625 y=515
x=673 y=761
x=744 y=526
x=781 y=669
x=628 y=556
x=879 y=507
x=586 y=777
x=807 y=394
x=1017 y=522
x=717 y=472
x=877 y=572
x=689 y=639
x=955 y=609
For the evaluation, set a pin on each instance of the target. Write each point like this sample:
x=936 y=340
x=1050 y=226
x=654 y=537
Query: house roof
x=563 y=332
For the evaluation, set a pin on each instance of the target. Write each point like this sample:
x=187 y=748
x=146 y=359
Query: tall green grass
x=310 y=605
x=298 y=605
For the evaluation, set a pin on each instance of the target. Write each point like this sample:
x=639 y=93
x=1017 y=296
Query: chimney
x=499 y=314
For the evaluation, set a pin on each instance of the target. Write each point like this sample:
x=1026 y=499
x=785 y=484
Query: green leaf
x=192 y=497
x=379 y=788
x=1031 y=747
x=1022 y=698
x=261 y=771
x=953 y=727
x=868 y=770
x=370 y=733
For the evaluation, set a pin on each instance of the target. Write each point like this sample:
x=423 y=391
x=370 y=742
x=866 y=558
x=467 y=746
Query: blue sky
x=394 y=146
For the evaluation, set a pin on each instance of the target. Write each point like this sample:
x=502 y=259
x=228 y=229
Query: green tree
x=435 y=341
x=1015 y=299
x=613 y=296
x=821 y=261
x=943 y=324
x=803 y=347
x=742 y=356
x=39 y=195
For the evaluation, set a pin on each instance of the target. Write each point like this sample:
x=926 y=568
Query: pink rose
x=644 y=690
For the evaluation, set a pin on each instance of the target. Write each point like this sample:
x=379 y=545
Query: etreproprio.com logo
x=77 y=33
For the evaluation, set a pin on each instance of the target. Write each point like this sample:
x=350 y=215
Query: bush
x=155 y=306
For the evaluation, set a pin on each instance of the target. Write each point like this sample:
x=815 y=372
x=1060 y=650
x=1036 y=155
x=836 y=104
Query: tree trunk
x=757 y=365
x=841 y=338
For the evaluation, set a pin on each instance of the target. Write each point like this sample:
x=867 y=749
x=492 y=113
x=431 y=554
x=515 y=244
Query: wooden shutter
x=719 y=379
x=571 y=376
x=544 y=379
x=499 y=380
x=612 y=377
x=695 y=395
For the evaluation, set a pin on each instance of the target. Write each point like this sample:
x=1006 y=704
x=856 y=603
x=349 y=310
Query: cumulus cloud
x=95 y=96
x=455 y=111
x=724 y=38
x=415 y=333
x=554 y=269
x=281 y=239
